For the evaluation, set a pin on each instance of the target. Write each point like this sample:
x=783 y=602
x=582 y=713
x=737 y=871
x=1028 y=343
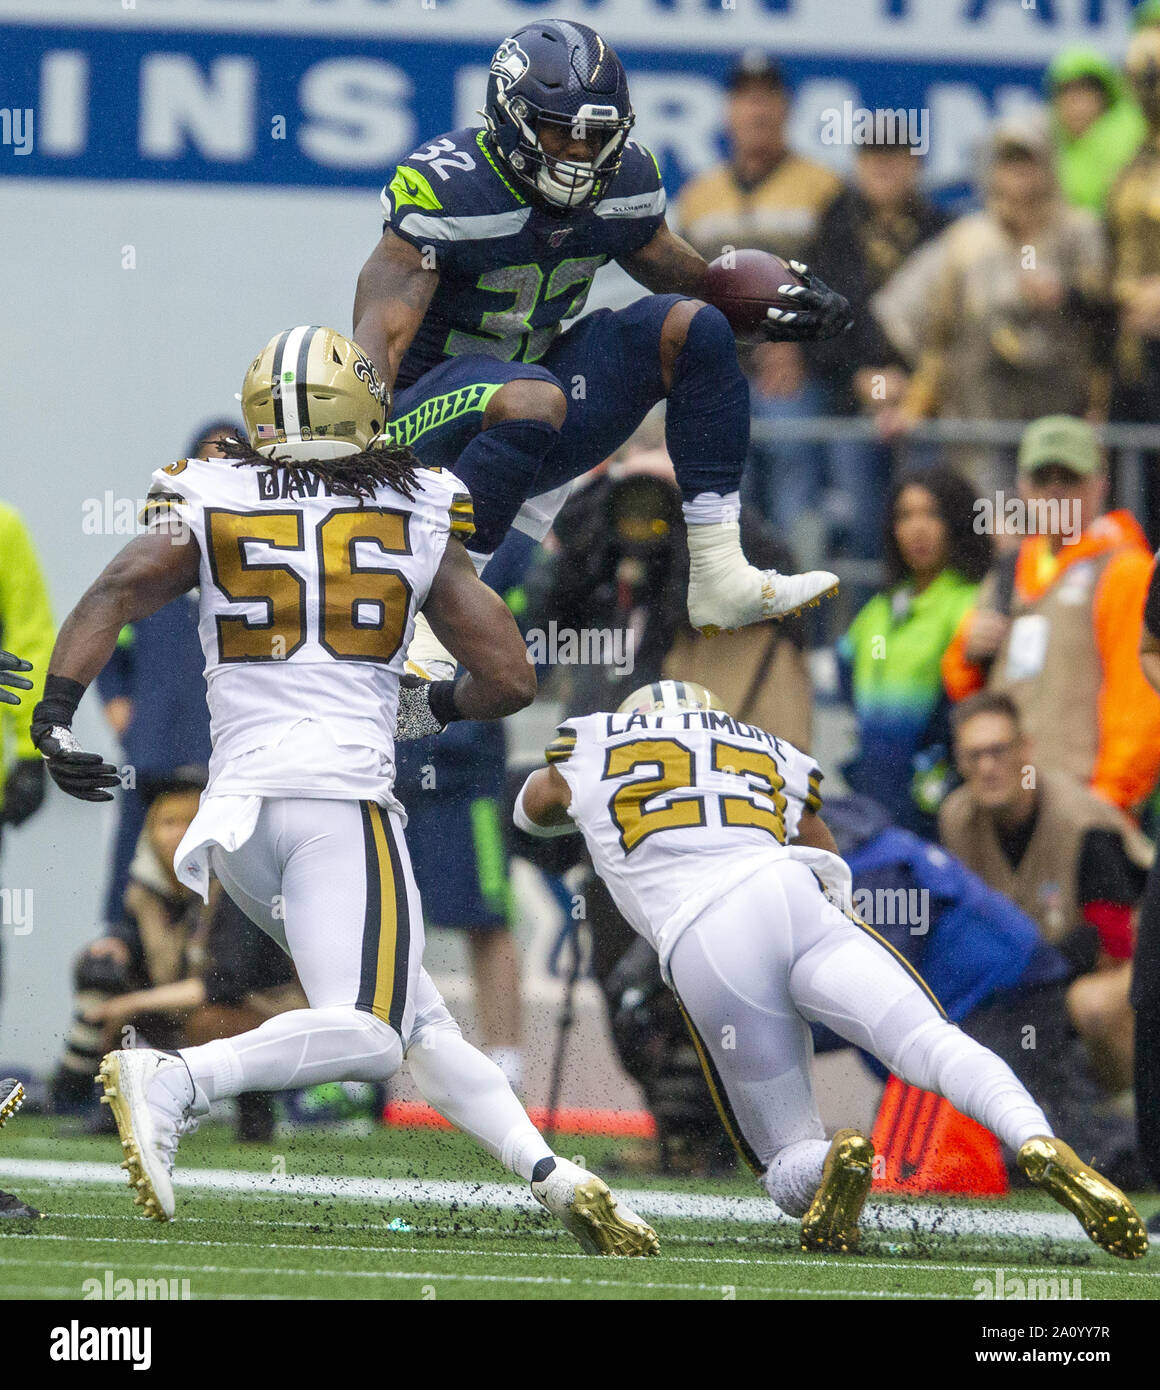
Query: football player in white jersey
x=707 y=833
x=315 y=547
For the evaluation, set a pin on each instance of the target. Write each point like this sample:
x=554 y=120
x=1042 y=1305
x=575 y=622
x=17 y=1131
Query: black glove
x=8 y=664
x=821 y=312
x=23 y=791
x=425 y=708
x=83 y=775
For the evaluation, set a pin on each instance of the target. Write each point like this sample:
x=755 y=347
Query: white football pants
x=331 y=882
x=773 y=955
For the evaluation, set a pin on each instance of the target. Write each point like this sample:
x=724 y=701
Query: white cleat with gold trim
x=726 y=592
x=151 y=1095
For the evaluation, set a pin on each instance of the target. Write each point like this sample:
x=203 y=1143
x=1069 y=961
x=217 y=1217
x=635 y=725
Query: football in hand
x=745 y=284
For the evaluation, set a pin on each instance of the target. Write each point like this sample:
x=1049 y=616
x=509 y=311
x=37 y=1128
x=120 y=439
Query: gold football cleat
x=831 y=1224
x=582 y=1201
x=605 y=1228
x=1098 y=1205
x=11 y=1099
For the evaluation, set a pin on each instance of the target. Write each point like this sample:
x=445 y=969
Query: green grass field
x=422 y=1215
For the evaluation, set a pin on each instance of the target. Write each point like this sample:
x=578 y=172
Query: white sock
x=939 y=1057
x=299 y=1048
x=472 y=1092
x=510 y=1060
x=795 y=1175
x=707 y=508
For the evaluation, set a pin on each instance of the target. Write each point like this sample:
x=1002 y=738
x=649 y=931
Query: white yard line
x=432 y=1276
x=775 y=1257
x=549 y=1233
x=38 y=1291
x=925 y=1217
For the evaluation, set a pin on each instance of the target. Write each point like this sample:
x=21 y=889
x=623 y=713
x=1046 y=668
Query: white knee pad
x=379 y=1052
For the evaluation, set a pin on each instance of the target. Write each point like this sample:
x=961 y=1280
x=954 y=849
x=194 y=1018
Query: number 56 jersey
x=677 y=808
x=307 y=605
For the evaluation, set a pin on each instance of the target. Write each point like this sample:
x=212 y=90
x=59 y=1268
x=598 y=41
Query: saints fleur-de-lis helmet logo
x=312 y=393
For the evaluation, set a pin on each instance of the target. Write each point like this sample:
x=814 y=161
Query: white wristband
x=525 y=823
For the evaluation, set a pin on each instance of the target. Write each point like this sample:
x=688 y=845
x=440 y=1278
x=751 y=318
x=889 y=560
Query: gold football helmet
x=665 y=696
x=313 y=394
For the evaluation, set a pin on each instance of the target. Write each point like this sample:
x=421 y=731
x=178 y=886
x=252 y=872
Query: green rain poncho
x=1088 y=165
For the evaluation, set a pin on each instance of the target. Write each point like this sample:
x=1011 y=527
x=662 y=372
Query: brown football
x=744 y=284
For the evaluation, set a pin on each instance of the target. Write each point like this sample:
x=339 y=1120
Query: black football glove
x=820 y=313
x=9 y=664
x=23 y=791
x=425 y=708
x=83 y=775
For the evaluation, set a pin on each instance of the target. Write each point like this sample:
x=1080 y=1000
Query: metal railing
x=1128 y=446
x=1130 y=443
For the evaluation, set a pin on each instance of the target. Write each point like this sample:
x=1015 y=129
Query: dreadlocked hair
x=355 y=475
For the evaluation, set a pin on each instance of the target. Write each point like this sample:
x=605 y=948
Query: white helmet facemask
x=565 y=183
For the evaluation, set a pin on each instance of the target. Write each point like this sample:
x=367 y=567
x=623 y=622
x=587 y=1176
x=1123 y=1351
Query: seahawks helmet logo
x=510 y=61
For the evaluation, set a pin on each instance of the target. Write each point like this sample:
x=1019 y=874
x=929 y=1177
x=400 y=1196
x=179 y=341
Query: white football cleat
x=427 y=657
x=727 y=592
x=152 y=1097
x=584 y=1204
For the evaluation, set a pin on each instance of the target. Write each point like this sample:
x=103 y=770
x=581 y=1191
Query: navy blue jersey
x=509 y=273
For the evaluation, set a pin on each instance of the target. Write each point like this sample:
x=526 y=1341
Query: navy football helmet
x=552 y=87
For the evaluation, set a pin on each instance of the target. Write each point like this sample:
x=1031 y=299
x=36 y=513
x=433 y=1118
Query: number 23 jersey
x=307 y=605
x=676 y=808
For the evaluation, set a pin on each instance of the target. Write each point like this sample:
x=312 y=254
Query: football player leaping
x=707 y=833
x=492 y=237
x=312 y=566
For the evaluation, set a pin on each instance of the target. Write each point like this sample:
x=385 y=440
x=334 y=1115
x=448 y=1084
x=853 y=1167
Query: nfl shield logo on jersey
x=559 y=236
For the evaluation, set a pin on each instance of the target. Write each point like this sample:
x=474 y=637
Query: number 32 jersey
x=677 y=808
x=509 y=272
x=307 y=605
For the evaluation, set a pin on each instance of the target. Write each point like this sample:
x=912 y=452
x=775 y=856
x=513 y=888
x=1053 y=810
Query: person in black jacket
x=874 y=225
